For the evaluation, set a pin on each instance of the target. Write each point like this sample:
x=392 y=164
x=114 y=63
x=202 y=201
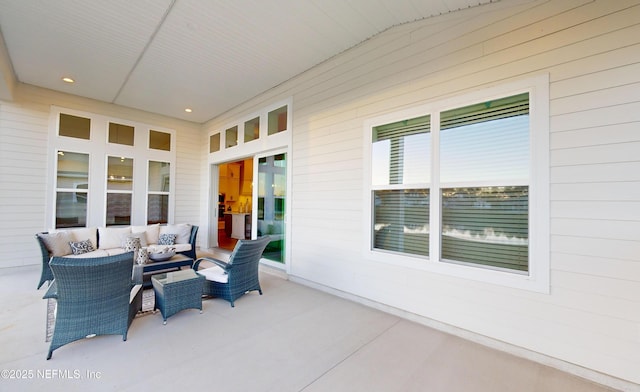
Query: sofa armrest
x=217 y=262
x=192 y=241
x=137 y=273
x=52 y=292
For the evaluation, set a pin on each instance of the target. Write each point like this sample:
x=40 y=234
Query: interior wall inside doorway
x=234 y=202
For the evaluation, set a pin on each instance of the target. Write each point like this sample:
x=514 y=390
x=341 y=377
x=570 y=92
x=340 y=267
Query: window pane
x=401 y=221
x=272 y=195
x=401 y=152
x=118 y=209
x=71 y=209
x=487 y=141
x=231 y=137
x=159 y=140
x=120 y=134
x=73 y=126
x=486 y=226
x=120 y=173
x=73 y=170
x=157 y=209
x=159 y=176
x=277 y=120
x=252 y=129
x=214 y=143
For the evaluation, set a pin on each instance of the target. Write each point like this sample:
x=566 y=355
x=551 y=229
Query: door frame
x=286 y=264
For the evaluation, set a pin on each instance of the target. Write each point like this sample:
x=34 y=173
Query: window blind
x=487 y=226
x=486 y=142
x=401 y=221
x=486 y=111
x=401 y=152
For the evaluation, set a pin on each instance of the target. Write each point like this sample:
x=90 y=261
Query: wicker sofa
x=110 y=241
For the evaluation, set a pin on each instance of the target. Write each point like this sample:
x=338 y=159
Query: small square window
x=277 y=120
x=121 y=134
x=231 y=136
x=214 y=143
x=159 y=140
x=252 y=129
x=73 y=126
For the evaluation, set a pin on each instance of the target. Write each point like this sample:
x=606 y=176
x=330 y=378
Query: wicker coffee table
x=177 y=291
x=142 y=272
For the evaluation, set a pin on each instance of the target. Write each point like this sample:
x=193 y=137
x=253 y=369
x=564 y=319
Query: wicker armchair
x=95 y=296
x=45 y=275
x=233 y=279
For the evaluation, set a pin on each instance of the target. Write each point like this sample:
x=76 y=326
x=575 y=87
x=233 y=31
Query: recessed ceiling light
x=188 y=110
x=68 y=80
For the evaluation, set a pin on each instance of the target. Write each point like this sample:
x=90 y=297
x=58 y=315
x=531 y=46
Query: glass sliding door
x=272 y=193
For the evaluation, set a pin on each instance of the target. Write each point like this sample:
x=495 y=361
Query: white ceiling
x=163 y=56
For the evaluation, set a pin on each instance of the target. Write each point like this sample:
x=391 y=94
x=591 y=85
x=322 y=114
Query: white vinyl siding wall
x=591 y=52
x=24 y=149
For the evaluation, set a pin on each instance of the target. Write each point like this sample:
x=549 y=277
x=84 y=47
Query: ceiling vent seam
x=144 y=51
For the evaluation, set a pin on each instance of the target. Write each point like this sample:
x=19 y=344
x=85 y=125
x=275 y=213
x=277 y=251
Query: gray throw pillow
x=167 y=239
x=81 y=247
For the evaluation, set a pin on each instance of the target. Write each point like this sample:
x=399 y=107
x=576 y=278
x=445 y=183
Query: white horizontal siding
x=591 y=51
x=23 y=153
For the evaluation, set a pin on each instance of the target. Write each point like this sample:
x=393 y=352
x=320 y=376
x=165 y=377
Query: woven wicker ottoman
x=176 y=291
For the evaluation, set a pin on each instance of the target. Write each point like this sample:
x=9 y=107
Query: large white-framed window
x=158 y=192
x=112 y=187
x=400 y=181
x=460 y=186
x=72 y=189
x=119 y=190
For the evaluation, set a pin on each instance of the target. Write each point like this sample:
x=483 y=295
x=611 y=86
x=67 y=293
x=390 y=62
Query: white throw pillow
x=112 y=237
x=151 y=231
x=57 y=243
x=181 y=230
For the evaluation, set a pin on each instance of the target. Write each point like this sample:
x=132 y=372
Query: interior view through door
x=272 y=193
x=235 y=201
x=236 y=207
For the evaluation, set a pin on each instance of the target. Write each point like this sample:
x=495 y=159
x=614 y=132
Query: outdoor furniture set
x=101 y=294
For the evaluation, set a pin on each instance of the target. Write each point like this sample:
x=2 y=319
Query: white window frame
x=119 y=191
x=537 y=277
x=169 y=193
